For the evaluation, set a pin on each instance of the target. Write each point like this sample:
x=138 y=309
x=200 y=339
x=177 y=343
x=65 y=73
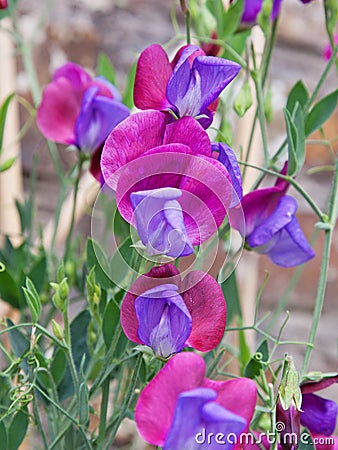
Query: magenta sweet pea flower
x=3 y=4
x=180 y=408
x=167 y=183
x=166 y=313
x=318 y=414
x=188 y=86
x=78 y=110
x=271 y=227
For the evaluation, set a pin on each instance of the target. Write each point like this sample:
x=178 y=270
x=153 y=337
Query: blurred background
x=63 y=31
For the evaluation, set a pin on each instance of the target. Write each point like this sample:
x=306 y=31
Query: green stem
x=261 y=116
x=127 y=401
x=103 y=412
x=80 y=162
x=186 y=12
x=333 y=213
x=294 y=183
x=69 y=352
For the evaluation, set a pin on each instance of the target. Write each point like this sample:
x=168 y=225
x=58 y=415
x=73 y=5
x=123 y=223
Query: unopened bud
x=57 y=330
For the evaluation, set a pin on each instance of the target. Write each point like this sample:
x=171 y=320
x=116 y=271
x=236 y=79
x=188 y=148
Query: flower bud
x=57 y=330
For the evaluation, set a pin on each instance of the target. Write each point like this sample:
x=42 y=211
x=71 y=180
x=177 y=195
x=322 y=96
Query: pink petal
x=75 y=74
x=206 y=304
x=58 y=111
x=157 y=275
x=238 y=395
x=189 y=132
x=129 y=140
x=156 y=404
x=205 y=185
x=152 y=74
x=309 y=387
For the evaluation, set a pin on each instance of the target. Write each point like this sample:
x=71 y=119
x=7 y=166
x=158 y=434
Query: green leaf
x=83 y=403
x=255 y=365
x=7 y=164
x=17 y=429
x=231 y=19
x=299 y=94
x=295 y=138
x=120 y=263
x=3 y=435
x=321 y=111
x=230 y=292
x=306 y=442
x=20 y=344
x=9 y=291
x=111 y=319
x=38 y=272
x=96 y=257
x=105 y=68
x=128 y=94
x=3 y=114
x=78 y=333
x=58 y=366
x=33 y=299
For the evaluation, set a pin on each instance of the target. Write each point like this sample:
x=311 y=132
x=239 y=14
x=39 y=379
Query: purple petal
x=215 y=74
x=267 y=230
x=251 y=10
x=152 y=74
x=202 y=294
x=291 y=247
x=228 y=158
x=159 y=221
x=276 y=8
x=156 y=405
x=319 y=414
x=130 y=139
x=164 y=320
x=167 y=274
x=201 y=416
x=98 y=116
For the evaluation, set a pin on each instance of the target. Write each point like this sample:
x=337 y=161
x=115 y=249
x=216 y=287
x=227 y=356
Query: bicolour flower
x=78 y=110
x=180 y=408
x=167 y=183
x=189 y=85
x=318 y=414
x=166 y=313
x=271 y=227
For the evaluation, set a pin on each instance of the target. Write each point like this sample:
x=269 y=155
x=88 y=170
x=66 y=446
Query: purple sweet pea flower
x=179 y=408
x=159 y=221
x=253 y=7
x=166 y=313
x=189 y=85
x=271 y=226
x=318 y=414
x=77 y=110
x=167 y=183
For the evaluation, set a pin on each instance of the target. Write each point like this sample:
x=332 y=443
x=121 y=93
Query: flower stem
x=80 y=162
x=186 y=12
x=333 y=213
x=103 y=412
x=127 y=400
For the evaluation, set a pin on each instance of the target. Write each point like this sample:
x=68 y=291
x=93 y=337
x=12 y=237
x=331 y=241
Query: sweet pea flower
x=252 y=8
x=3 y=4
x=318 y=414
x=181 y=409
x=189 y=85
x=166 y=313
x=271 y=227
x=78 y=110
x=167 y=182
